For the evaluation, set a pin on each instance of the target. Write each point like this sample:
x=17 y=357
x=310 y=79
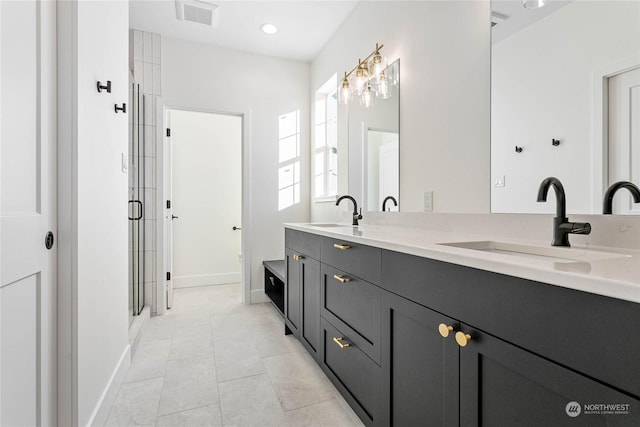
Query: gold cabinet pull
x=298 y=257
x=339 y=342
x=340 y=278
x=339 y=246
x=444 y=330
x=462 y=339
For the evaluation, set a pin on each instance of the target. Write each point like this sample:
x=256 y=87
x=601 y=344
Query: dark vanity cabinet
x=412 y=341
x=302 y=291
x=533 y=349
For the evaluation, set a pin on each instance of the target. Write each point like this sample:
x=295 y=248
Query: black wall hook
x=102 y=87
x=555 y=142
x=518 y=149
x=123 y=108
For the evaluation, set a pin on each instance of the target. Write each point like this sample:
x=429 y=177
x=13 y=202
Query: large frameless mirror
x=374 y=147
x=565 y=82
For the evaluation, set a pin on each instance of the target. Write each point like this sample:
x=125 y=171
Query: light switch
x=428 y=201
x=498 y=181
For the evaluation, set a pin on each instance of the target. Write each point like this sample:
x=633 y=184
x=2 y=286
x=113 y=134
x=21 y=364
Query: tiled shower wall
x=144 y=62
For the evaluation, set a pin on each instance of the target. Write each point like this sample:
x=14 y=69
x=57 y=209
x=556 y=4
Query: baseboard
x=101 y=413
x=258 y=296
x=135 y=328
x=206 y=280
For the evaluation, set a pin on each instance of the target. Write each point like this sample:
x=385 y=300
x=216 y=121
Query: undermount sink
x=554 y=254
x=327 y=225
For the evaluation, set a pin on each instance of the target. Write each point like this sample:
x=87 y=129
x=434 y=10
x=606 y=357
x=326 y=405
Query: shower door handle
x=139 y=204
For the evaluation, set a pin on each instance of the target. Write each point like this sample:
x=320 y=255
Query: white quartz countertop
x=612 y=272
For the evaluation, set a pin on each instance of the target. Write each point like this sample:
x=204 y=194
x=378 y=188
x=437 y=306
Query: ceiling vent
x=497 y=18
x=199 y=11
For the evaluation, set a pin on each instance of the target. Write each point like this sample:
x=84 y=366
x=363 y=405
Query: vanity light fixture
x=369 y=79
x=269 y=28
x=533 y=4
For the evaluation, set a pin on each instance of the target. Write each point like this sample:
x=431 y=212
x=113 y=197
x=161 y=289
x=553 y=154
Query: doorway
x=203 y=177
x=623 y=137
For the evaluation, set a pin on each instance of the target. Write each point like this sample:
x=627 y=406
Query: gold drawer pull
x=462 y=339
x=340 y=278
x=444 y=330
x=339 y=246
x=298 y=257
x=339 y=342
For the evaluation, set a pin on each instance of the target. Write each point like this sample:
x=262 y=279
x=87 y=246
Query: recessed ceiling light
x=269 y=28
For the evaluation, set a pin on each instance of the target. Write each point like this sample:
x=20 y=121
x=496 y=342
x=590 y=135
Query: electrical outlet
x=428 y=201
x=498 y=181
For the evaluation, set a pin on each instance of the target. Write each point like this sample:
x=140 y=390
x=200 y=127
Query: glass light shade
x=383 y=87
x=366 y=99
x=344 y=94
x=533 y=4
x=361 y=78
x=377 y=65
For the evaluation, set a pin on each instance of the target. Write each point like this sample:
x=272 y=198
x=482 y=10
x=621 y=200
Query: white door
x=624 y=137
x=27 y=213
x=168 y=214
x=389 y=171
x=206 y=191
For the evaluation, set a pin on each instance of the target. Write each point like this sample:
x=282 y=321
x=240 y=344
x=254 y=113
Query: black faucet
x=386 y=199
x=607 y=206
x=356 y=215
x=561 y=225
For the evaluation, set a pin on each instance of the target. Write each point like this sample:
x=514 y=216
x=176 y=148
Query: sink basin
x=551 y=253
x=327 y=225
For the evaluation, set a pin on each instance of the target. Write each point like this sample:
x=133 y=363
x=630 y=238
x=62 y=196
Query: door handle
x=174 y=217
x=236 y=228
x=139 y=203
x=48 y=240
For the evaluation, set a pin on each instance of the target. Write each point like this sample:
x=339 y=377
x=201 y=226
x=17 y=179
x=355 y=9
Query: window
x=289 y=159
x=325 y=156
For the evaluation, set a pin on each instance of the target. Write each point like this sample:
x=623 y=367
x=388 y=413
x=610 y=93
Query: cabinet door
x=504 y=385
x=310 y=294
x=419 y=366
x=354 y=374
x=292 y=292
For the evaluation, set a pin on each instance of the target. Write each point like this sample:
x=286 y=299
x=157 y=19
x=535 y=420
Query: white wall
x=444 y=54
x=209 y=78
x=206 y=195
x=542 y=88
x=92 y=46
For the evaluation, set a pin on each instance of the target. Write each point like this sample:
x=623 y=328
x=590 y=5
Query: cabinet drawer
x=354 y=305
x=302 y=243
x=355 y=375
x=360 y=260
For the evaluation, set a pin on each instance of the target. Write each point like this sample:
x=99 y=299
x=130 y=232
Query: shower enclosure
x=137 y=200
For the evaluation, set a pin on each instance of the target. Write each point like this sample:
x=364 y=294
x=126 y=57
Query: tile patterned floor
x=212 y=361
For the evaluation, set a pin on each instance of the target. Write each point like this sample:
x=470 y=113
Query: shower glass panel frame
x=137 y=200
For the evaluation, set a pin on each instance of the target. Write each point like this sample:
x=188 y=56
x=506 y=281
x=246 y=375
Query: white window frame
x=328 y=93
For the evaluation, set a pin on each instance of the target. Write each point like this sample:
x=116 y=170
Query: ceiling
x=304 y=26
x=518 y=17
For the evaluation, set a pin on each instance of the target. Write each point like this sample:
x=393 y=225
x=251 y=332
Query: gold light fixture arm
x=376 y=50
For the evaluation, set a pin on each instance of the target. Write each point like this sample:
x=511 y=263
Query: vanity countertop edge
x=616 y=278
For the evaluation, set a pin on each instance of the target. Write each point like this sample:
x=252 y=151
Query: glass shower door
x=136 y=200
